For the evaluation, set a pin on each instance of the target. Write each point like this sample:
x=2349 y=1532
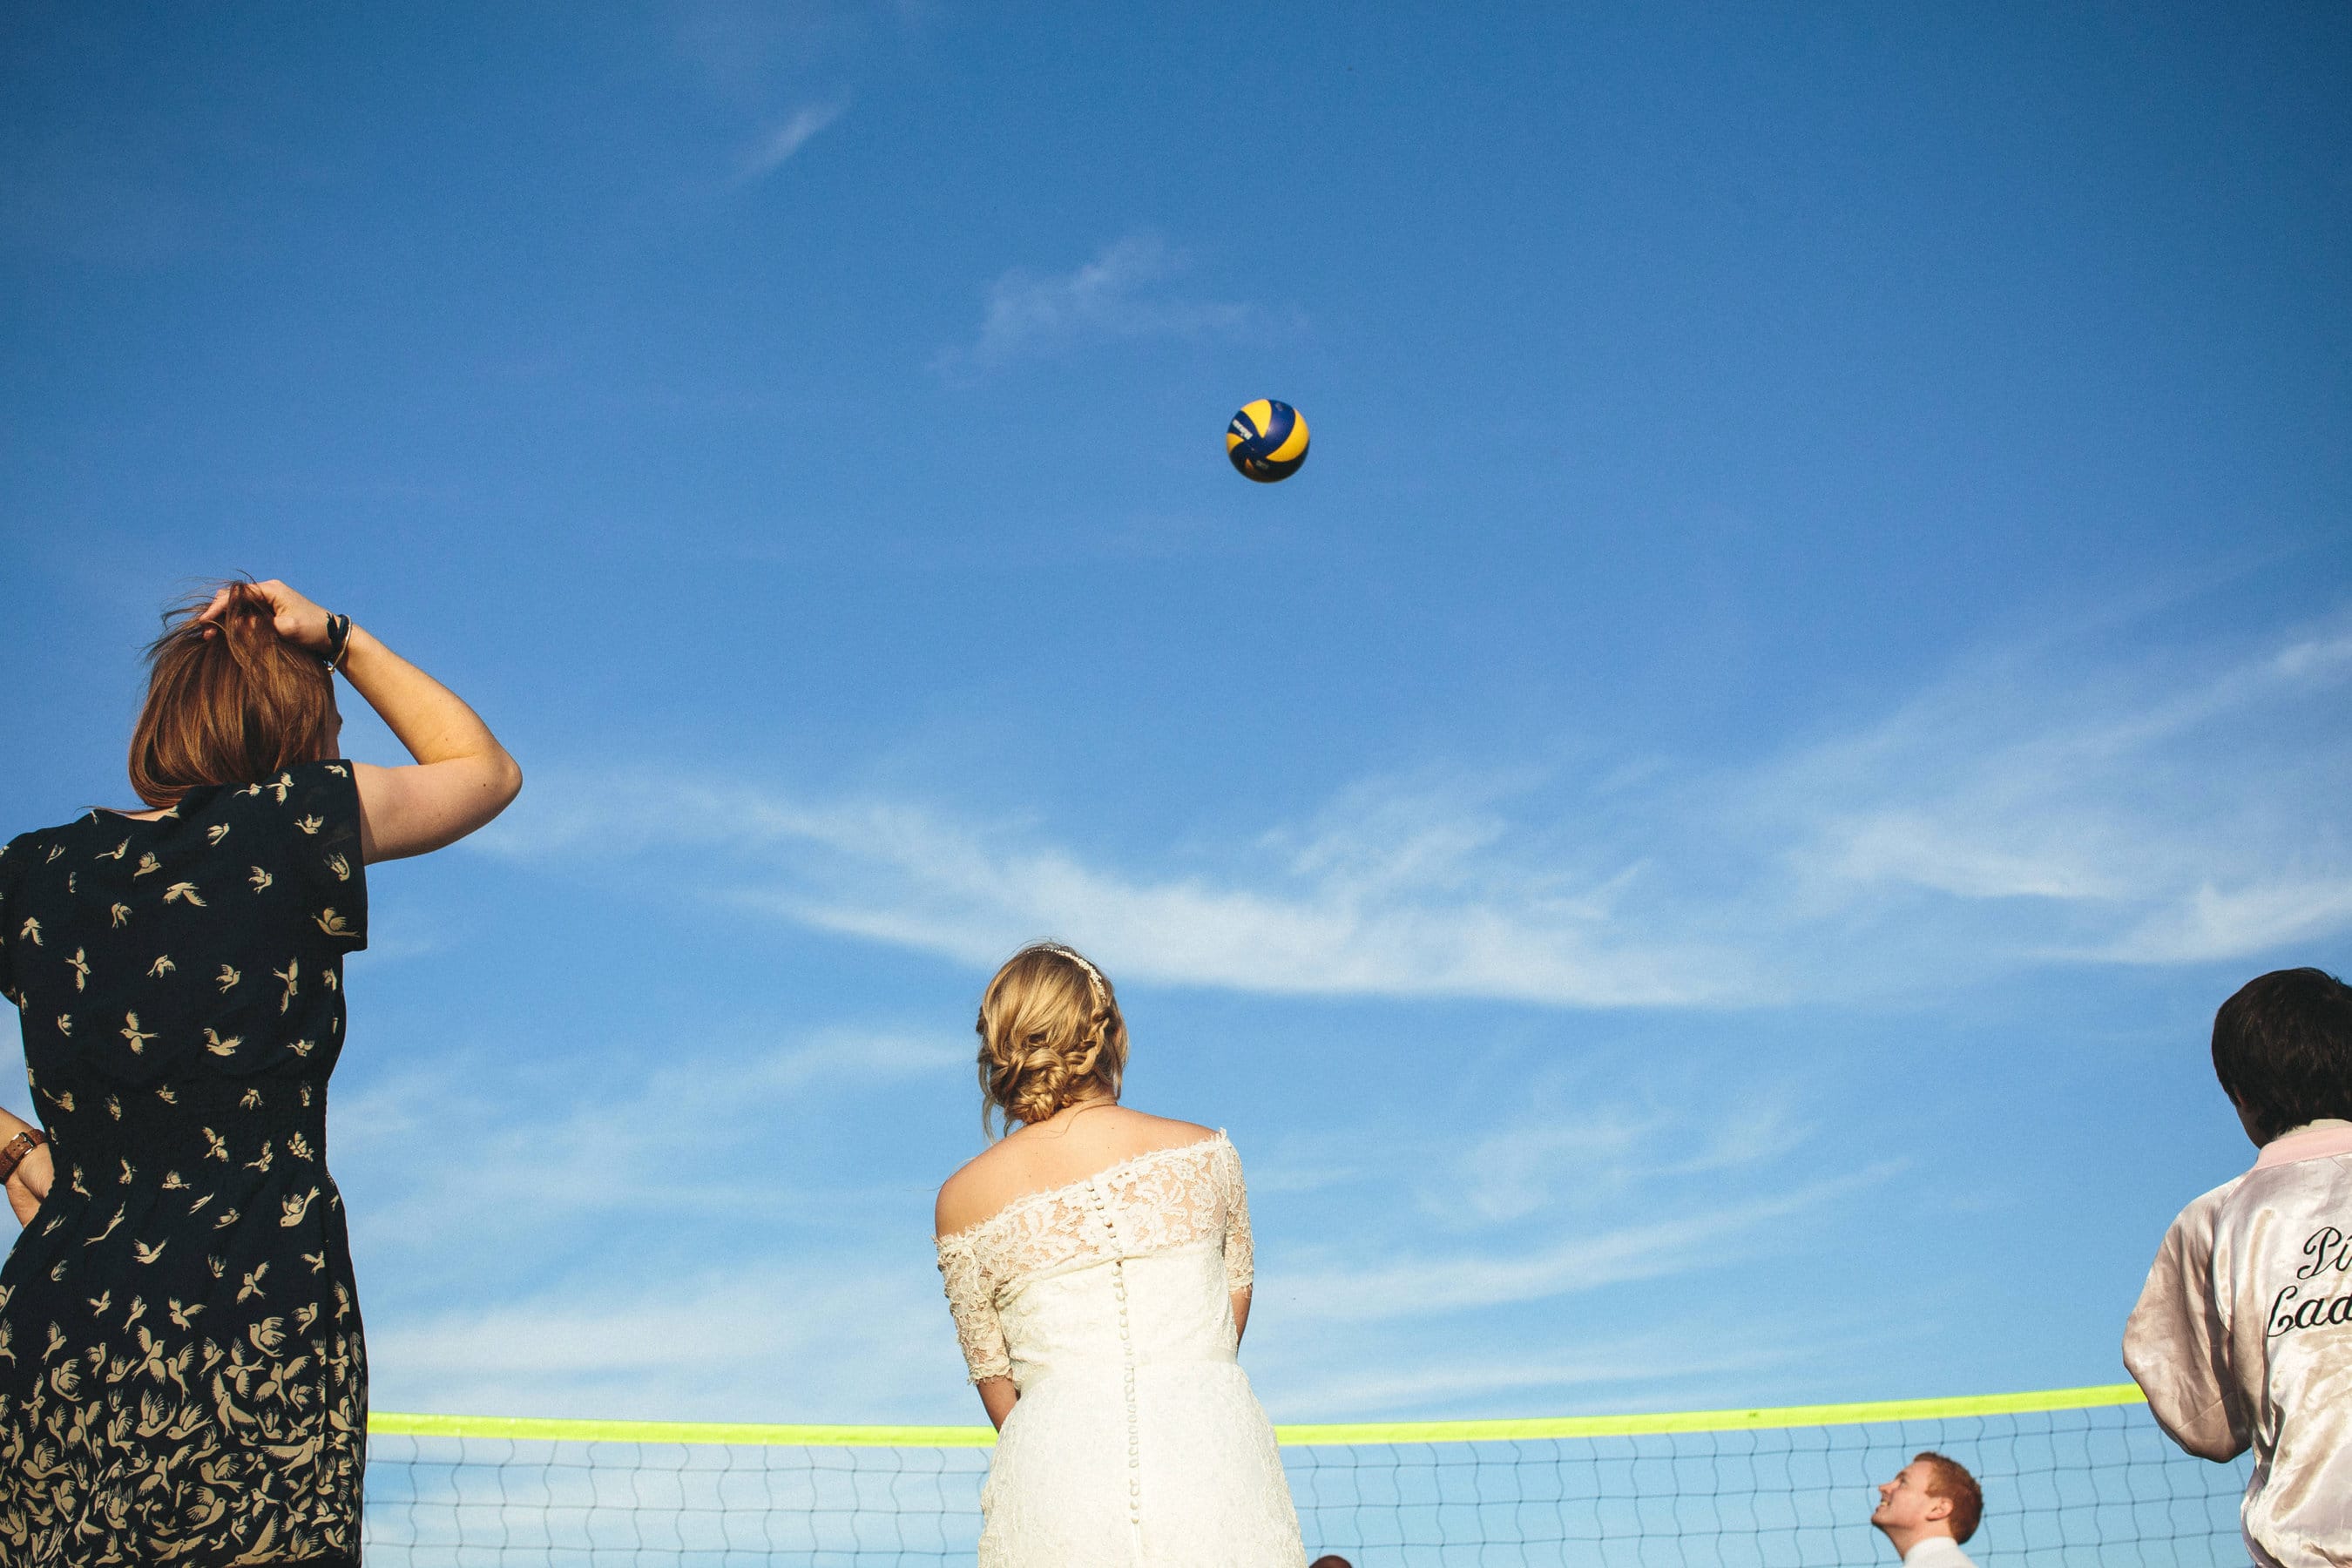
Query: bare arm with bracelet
x=24 y=1156
x=462 y=776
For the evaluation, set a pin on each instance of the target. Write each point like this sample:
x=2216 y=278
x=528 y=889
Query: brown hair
x=1050 y=1031
x=228 y=700
x=1948 y=1479
x=2283 y=1049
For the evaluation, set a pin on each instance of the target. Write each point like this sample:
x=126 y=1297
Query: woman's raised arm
x=462 y=777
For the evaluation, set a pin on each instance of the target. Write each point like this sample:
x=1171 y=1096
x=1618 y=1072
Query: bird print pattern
x=183 y=1373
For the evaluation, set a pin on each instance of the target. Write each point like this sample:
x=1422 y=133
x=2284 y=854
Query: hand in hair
x=462 y=777
x=296 y=620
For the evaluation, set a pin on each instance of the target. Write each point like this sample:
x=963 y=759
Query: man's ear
x=1938 y=1508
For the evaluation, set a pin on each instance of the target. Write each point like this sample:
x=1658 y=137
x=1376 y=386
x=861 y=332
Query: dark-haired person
x=182 y=1374
x=1928 y=1510
x=2244 y=1335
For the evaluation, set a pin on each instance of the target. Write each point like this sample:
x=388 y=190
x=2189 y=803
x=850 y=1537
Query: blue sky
x=1693 y=847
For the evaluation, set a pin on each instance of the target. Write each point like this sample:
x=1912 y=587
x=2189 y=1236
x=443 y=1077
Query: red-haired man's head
x=1931 y=1496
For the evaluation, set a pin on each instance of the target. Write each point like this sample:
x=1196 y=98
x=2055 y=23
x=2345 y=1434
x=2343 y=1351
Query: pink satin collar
x=2308 y=1144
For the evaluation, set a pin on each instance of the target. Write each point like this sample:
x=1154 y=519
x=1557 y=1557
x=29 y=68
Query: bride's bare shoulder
x=985 y=1184
x=1142 y=1133
x=1040 y=1159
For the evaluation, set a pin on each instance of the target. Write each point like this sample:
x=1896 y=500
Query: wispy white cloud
x=598 y=1144
x=859 y=1056
x=1414 y=1284
x=1561 y=1152
x=1508 y=1170
x=1488 y=1260
x=2213 y=923
x=2017 y=814
x=621 y=1256
x=630 y=1234
x=1118 y=294
x=1389 y=895
x=770 y=152
x=741 y=49
x=2313 y=657
x=2152 y=818
x=1594 y=1370
x=822 y=1337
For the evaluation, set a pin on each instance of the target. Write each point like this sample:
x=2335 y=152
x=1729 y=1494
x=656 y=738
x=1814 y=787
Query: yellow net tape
x=529 y=1429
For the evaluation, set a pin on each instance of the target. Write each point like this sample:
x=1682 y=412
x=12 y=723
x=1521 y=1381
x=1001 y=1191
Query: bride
x=1098 y=1263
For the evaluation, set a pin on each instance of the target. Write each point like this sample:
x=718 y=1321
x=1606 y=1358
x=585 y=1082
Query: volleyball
x=1266 y=441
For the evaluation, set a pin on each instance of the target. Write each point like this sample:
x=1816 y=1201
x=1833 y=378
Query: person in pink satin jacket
x=2242 y=1338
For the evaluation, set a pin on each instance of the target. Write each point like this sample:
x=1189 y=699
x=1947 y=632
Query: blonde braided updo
x=1050 y=1033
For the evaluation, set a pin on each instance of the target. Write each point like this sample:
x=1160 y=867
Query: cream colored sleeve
x=2177 y=1347
x=971 y=1298
x=1240 y=1250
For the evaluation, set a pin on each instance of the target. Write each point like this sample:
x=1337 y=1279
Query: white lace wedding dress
x=1136 y=1440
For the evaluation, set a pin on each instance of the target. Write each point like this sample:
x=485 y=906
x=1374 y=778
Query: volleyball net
x=2072 y=1477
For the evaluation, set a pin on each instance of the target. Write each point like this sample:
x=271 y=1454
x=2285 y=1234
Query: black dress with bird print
x=182 y=1376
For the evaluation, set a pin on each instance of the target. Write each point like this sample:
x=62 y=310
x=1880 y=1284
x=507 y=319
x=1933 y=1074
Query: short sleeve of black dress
x=324 y=801
x=182 y=1376
x=12 y=856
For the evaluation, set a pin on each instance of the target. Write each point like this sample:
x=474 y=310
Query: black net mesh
x=2079 y=1487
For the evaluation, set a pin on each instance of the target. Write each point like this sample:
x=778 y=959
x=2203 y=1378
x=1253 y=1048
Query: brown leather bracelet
x=12 y=1153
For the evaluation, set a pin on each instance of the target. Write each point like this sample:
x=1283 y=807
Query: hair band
x=1094 y=976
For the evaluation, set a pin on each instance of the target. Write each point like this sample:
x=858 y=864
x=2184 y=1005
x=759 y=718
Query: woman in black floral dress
x=182 y=1374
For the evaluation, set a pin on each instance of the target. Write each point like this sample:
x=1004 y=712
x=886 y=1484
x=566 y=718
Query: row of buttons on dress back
x=1127 y=1370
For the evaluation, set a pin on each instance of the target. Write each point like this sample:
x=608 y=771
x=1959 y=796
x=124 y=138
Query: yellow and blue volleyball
x=1266 y=441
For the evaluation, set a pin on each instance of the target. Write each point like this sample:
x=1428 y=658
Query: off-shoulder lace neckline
x=1116 y=1167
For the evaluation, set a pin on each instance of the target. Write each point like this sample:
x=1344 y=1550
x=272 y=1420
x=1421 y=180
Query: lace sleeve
x=1241 y=1255
x=973 y=1298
